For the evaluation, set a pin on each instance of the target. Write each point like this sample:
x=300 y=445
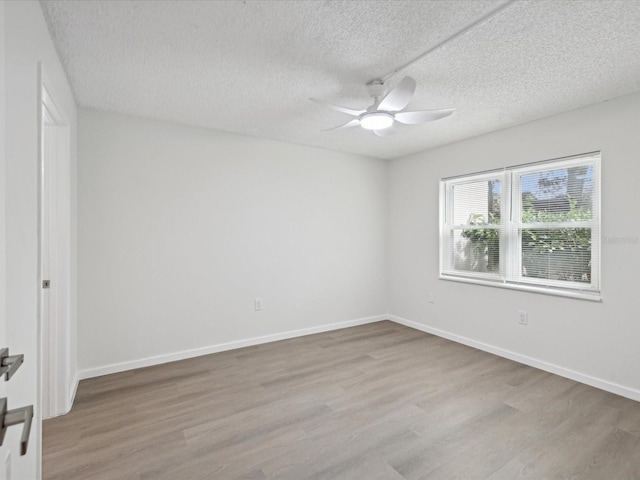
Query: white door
x=5 y=449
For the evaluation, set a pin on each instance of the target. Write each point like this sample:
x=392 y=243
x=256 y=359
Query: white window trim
x=510 y=274
x=579 y=294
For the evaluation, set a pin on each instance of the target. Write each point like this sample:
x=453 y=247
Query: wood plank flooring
x=379 y=401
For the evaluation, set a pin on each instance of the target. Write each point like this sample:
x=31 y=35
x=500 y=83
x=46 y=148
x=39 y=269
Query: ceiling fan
x=388 y=109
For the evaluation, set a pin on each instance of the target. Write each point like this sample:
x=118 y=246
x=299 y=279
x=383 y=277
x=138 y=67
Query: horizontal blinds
x=555 y=232
x=474 y=226
x=476 y=202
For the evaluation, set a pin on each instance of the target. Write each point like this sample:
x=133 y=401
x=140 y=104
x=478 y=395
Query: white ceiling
x=250 y=67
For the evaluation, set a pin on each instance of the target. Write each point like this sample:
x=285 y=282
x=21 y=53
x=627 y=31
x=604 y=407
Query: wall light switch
x=258 y=304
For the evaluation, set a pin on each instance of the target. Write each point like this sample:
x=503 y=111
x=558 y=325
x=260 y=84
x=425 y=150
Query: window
x=532 y=227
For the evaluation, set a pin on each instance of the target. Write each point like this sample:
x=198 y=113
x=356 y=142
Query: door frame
x=54 y=208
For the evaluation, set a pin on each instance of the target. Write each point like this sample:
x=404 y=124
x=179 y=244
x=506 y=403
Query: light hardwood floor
x=379 y=401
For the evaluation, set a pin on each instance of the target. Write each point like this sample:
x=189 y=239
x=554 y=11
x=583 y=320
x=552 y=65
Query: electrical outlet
x=432 y=297
x=523 y=317
x=258 y=304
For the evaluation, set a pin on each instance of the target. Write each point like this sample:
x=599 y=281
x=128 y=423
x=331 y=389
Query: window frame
x=509 y=274
x=448 y=213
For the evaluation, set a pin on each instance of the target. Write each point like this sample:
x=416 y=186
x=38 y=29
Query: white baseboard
x=621 y=390
x=72 y=393
x=69 y=400
x=221 y=347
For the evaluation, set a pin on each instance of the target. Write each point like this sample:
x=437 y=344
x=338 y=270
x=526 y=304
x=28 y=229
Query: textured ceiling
x=250 y=67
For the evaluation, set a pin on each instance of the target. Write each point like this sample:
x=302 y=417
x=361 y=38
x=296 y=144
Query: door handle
x=9 y=364
x=14 y=417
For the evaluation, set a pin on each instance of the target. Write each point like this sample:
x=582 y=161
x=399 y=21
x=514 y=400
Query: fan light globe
x=376 y=120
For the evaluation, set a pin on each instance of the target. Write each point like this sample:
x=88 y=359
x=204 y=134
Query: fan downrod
x=376 y=88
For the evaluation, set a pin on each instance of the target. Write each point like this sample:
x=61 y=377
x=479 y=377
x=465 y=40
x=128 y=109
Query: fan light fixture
x=383 y=114
x=376 y=120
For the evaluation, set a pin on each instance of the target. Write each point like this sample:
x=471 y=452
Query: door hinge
x=46 y=283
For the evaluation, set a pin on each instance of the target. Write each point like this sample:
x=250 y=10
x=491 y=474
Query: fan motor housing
x=376 y=89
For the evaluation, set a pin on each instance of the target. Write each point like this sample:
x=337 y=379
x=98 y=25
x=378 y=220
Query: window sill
x=579 y=294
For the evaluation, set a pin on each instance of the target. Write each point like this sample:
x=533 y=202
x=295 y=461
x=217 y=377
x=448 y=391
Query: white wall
x=181 y=228
x=594 y=342
x=27 y=41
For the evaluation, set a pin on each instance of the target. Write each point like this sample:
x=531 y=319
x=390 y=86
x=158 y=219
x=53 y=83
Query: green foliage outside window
x=485 y=243
x=559 y=253
x=551 y=253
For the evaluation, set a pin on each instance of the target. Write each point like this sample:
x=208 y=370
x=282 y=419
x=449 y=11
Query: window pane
x=476 y=250
x=476 y=203
x=562 y=254
x=561 y=195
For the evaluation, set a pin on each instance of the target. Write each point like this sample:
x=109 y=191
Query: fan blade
x=399 y=97
x=424 y=116
x=353 y=123
x=385 y=132
x=348 y=111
